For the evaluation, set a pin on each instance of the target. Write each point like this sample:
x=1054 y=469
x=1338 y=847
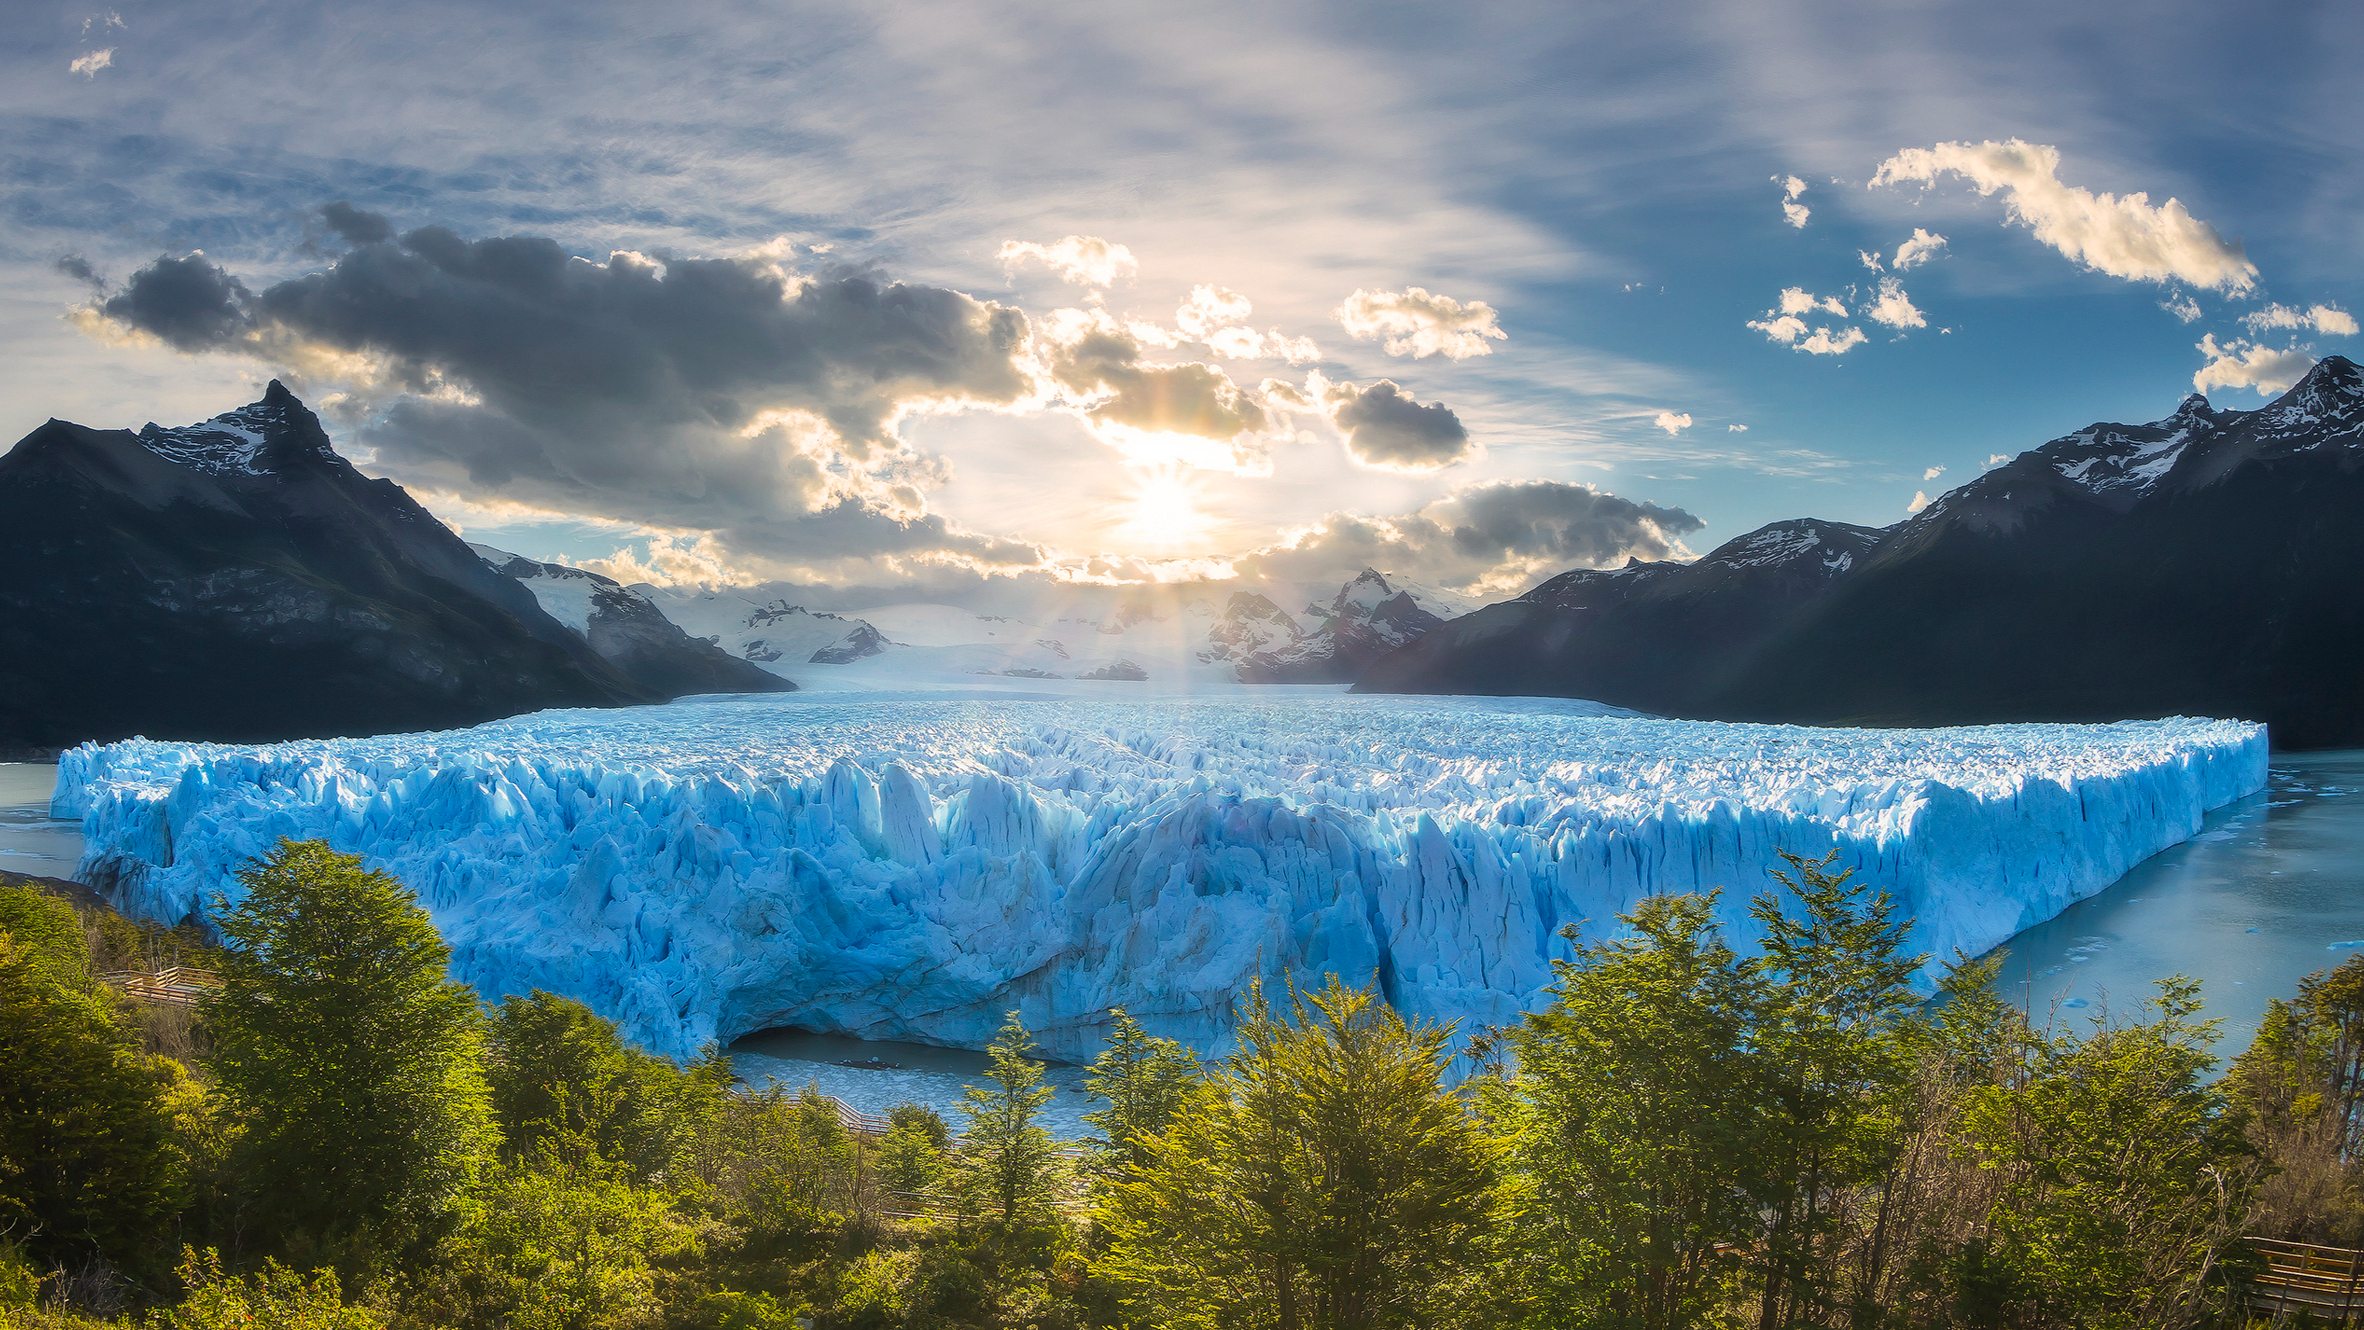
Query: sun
x=1165 y=513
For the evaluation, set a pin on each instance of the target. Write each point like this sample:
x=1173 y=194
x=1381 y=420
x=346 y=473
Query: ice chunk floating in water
x=910 y=867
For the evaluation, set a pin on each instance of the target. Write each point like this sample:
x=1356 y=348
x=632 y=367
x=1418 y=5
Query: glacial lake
x=2271 y=890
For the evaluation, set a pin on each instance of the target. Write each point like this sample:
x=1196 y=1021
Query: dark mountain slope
x=237 y=580
x=1655 y=636
x=2211 y=563
x=629 y=632
x=2208 y=563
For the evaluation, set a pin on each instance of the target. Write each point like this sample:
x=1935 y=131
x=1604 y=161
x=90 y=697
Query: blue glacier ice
x=909 y=866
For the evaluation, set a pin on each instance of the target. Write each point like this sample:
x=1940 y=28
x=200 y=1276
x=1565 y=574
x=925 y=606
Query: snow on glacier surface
x=912 y=865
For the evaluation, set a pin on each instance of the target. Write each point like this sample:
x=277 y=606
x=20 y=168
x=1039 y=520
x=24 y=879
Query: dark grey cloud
x=188 y=302
x=79 y=268
x=1188 y=398
x=723 y=394
x=1385 y=427
x=1491 y=535
x=354 y=225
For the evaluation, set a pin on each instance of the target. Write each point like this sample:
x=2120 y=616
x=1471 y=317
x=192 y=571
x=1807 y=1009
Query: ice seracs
x=911 y=866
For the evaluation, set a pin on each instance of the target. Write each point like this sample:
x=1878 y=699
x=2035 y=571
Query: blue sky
x=1609 y=182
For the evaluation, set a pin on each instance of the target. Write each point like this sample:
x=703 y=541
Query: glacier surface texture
x=911 y=866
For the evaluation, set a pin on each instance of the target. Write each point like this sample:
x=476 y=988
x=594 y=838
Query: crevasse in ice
x=912 y=866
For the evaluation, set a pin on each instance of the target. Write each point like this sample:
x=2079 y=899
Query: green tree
x=564 y=1241
x=356 y=1064
x=2125 y=1178
x=911 y=1156
x=274 y=1297
x=1324 y=1177
x=556 y=1068
x=1144 y=1080
x=1007 y=1159
x=1834 y=1071
x=1631 y=1116
x=88 y=1164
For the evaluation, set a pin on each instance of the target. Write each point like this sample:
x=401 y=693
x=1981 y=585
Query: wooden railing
x=2302 y=1276
x=178 y=986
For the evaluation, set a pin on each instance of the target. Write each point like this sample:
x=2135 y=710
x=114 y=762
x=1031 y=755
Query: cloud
x=188 y=303
x=1672 y=423
x=1386 y=428
x=2328 y=319
x=1919 y=502
x=1783 y=325
x=1894 y=308
x=1736 y=429
x=1933 y=473
x=1917 y=249
x=2243 y=364
x=1494 y=537
x=730 y=395
x=1209 y=308
x=78 y=268
x=1084 y=260
x=2123 y=237
x=1997 y=459
x=1869 y=259
x=1795 y=300
x=102 y=22
x=89 y=65
x=1791 y=188
x=355 y=226
x=2182 y=307
x=1419 y=324
x=1826 y=343
x=1097 y=361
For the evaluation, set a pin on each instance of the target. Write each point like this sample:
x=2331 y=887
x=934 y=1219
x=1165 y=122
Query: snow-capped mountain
x=2205 y=563
x=1181 y=634
x=236 y=579
x=629 y=631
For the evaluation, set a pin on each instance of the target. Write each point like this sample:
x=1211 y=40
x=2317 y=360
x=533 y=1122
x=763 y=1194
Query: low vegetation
x=340 y=1136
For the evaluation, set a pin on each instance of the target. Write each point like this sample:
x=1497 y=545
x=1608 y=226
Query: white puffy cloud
x=1824 y=342
x=1210 y=308
x=1387 y=429
x=2244 y=364
x=1933 y=473
x=1796 y=300
x=1794 y=211
x=1919 y=502
x=1672 y=423
x=2123 y=237
x=1997 y=459
x=1418 y=323
x=1870 y=260
x=2322 y=318
x=1783 y=325
x=1736 y=429
x=89 y=65
x=1894 y=308
x=1917 y=249
x=2182 y=307
x=1084 y=260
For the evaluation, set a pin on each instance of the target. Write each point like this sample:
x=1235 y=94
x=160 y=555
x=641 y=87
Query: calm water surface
x=2270 y=891
x=29 y=841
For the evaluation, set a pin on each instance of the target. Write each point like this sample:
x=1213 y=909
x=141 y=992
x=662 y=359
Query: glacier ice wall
x=910 y=866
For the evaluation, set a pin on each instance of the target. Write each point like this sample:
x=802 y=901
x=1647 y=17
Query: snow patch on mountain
x=912 y=865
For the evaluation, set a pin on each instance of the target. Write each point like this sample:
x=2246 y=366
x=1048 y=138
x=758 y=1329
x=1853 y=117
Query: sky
x=918 y=299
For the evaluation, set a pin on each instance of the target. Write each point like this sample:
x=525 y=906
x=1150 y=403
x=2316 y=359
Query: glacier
x=910 y=865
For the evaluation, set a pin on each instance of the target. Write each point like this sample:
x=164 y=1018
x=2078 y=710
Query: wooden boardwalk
x=2302 y=1277
x=178 y=986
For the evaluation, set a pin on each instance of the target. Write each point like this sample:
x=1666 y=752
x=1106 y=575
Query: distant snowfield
x=911 y=864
